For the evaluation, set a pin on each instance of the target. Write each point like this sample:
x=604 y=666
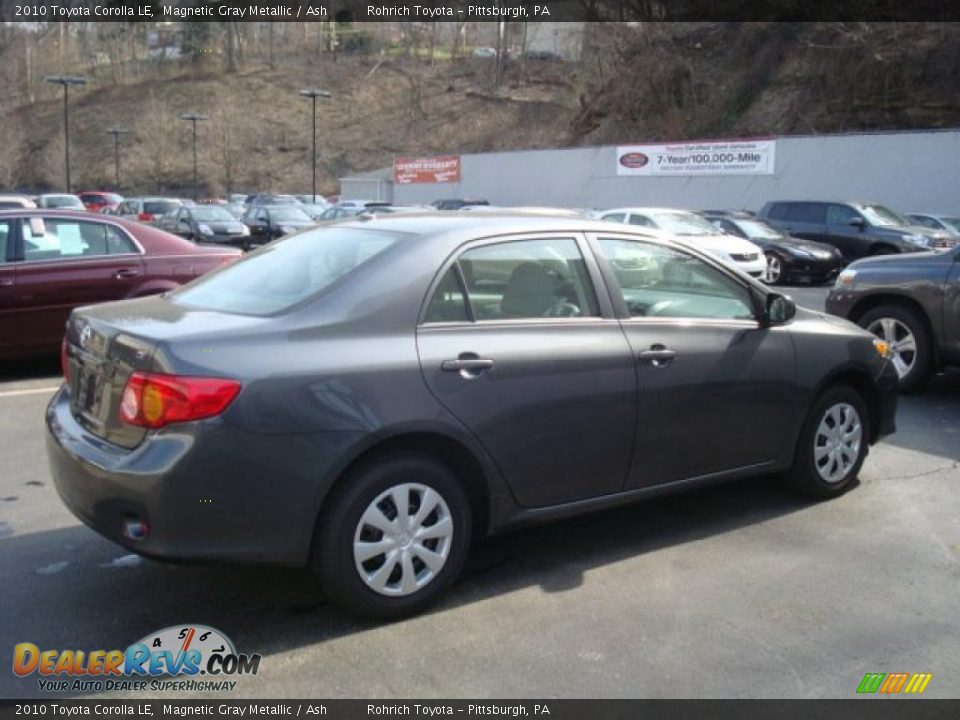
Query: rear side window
x=159 y=208
x=285 y=273
x=807 y=212
x=54 y=239
x=448 y=303
x=615 y=217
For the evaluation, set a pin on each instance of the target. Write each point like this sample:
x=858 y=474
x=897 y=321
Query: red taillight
x=151 y=400
x=145 y=217
x=65 y=360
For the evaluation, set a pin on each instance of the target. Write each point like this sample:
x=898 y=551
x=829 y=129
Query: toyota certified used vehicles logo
x=151 y=663
x=634 y=160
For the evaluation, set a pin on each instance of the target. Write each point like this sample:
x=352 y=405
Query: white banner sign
x=725 y=157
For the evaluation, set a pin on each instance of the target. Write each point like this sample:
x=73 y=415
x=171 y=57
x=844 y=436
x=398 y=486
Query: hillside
x=651 y=81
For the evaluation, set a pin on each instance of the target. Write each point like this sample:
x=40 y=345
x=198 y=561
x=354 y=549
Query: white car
x=695 y=230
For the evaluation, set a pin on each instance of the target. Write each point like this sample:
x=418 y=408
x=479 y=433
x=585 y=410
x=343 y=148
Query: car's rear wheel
x=393 y=536
x=910 y=346
x=833 y=444
x=773 y=272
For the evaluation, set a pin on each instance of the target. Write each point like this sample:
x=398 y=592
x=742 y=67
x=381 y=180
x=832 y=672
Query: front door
x=715 y=389
x=530 y=365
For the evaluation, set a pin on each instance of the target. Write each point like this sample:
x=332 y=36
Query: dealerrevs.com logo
x=179 y=651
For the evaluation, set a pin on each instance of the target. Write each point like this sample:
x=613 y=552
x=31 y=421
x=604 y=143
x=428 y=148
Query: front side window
x=659 y=281
x=841 y=215
x=282 y=274
x=525 y=279
x=641 y=220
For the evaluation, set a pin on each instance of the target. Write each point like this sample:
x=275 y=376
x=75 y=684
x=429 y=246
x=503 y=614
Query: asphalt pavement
x=743 y=590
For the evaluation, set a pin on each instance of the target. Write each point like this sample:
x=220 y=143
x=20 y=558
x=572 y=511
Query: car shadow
x=928 y=421
x=32 y=368
x=72 y=589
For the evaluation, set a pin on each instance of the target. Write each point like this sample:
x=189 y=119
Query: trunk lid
x=107 y=343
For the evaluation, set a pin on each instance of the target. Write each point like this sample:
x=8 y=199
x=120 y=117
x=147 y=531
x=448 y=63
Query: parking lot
x=742 y=590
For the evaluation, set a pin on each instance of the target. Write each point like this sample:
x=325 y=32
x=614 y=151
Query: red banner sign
x=443 y=169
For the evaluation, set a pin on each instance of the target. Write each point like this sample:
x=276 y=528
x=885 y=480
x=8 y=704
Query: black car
x=912 y=303
x=789 y=259
x=368 y=397
x=268 y=222
x=206 y=223
x=856 y=229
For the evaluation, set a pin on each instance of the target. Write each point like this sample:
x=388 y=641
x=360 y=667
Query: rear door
x=66 y=263
x=534 y=365
x=10 y=339
x=716 y=391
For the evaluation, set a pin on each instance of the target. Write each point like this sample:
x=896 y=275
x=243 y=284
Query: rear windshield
x=160 y=208
x=286 y=272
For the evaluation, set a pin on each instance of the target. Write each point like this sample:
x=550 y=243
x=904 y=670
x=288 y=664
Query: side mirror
x=857 y=222
x=780 y=309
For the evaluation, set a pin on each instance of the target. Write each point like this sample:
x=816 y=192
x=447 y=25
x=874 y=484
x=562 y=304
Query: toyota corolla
x=368 y=398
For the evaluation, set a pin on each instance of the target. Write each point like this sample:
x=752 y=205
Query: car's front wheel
x=773 y=272
x=833 y=444
x=393 y=536
x=910 y=346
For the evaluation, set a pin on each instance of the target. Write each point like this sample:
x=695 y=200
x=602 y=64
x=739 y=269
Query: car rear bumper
x=205 y=492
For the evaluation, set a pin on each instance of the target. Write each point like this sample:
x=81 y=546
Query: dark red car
x=97 y=201
x=53 y=261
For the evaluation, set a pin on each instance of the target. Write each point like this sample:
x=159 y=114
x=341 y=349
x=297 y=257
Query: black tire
x=804 y=476
x=921 y=368
x=333 y=552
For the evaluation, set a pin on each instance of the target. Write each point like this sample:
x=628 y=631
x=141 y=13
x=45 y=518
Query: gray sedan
x=370 y=397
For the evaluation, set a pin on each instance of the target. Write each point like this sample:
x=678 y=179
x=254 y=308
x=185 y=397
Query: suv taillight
x=152 y=400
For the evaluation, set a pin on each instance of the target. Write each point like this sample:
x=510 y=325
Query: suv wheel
x=833 y=444
x=908 y=339
x=393 y=537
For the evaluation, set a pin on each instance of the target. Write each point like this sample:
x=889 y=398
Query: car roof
x=649 y=210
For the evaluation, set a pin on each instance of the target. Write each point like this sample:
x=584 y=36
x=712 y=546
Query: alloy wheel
x=403 y=540
x=902 y=343
x=836 y=444
x=773 y=270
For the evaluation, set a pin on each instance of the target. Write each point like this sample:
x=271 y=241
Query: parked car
x=367 y=398
x=949 y=224
x=271 y=199
x=309 y=199
x=909 y=301
x=206 y=223
x=237 y=210
x=146 y=209
x=16 y=201
x=856 y=229
x=338 y=212
x=457 y=203
x=268 y=222
x=60 y=201
x=97 y=201
x=789 y=259
x=696 y=230
x=314 y=211
x=55 y=260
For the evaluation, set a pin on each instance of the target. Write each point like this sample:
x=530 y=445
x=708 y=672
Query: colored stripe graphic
x=918 y=683
x=871 y=682
x=893 y=683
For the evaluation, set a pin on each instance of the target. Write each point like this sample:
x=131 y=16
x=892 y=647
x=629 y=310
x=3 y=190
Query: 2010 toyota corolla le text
x=370 y=397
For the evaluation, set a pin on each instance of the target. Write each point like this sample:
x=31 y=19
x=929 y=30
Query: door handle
x=468 y=365
x=127 y=273
x=658 y=355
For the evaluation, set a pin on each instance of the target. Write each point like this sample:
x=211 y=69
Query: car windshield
x=883 y=216
x=288 y=214
x=682 y=223
x=284 y=273
x=160 y=207
x=757 y=229
x=205 y=213
x=953 y=222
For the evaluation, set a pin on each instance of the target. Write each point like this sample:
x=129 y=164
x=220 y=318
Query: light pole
x=194 y=117
x=313 y=94
x=116 y=132
x=66 y=81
